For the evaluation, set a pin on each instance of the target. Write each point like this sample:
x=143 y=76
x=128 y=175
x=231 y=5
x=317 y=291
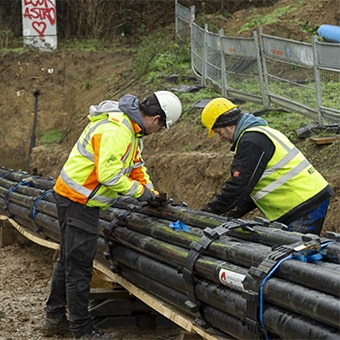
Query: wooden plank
x=8 y=235
x=324 y=140
x=99 y=293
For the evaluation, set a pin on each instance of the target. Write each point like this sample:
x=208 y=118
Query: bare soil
x=25 y=271
x=181 y=162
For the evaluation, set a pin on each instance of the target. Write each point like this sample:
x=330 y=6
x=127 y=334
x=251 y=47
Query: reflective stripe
x=133 y=189
x=82 y=146
x=105 y=194
x=115 y=178
x=90 y=156
x=283 y=179
x=149 y=185
x=140 y=145
x=281 y=163
x=137 y=165
x=74 y=185
x=266 y=131
x=103 y=199
x=86 y=192
x=132 y=141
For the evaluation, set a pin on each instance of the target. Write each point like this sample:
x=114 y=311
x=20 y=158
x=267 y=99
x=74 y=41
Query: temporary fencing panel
x=243 y=70
x=213 y=58
x=289 y=74
x=299 y=76
x=197 y=52
x=232 y=64
x=327 y=73
x=184 y=17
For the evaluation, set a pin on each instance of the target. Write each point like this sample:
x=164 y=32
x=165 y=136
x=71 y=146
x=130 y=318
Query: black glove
x=146 y=196
x=206 y=208
x=235 y=212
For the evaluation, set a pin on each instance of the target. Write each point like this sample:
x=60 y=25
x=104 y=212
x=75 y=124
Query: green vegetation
x=330 y=94
x=158 y=55
x=87 y=84
x=50 y=137
x=259 y=20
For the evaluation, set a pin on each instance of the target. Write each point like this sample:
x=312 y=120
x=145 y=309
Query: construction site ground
x=181 y=162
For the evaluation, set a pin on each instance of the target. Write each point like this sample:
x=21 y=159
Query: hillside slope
x=182 y=162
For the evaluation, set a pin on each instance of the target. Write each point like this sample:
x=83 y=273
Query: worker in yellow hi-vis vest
x=105 y=163
x=267 y=172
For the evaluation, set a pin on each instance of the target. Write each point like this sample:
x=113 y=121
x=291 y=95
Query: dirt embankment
x=182 y=162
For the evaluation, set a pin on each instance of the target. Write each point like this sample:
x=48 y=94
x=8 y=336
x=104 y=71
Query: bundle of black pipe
x=211 y=272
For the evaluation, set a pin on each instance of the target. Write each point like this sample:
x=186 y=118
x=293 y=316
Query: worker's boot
x=56 y=325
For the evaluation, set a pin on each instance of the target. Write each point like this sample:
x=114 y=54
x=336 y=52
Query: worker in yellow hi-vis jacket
x=267 y=172
x=104 y=163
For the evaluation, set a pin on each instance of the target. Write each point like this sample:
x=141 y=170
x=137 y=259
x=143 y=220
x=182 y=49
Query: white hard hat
x=171 y=105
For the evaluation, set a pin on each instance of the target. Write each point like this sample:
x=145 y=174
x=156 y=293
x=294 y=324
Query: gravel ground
x=25 y=272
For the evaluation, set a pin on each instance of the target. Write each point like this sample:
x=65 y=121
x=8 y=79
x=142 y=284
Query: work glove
x=206 y=208
x=147 y=196
x=235 y=212
x=162 y=199
x=155 y=192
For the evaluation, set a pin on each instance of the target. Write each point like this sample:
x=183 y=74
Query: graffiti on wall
x=39 y=19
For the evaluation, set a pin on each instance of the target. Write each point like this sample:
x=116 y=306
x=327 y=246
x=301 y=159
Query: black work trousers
x=71 y=279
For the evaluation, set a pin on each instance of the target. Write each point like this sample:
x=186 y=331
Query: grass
x=260 y=20
x=50 y=137
x=159 y=56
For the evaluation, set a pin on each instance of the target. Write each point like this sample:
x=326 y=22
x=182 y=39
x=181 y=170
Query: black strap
x=34 y=211
x=114 y=267
x=196 y=250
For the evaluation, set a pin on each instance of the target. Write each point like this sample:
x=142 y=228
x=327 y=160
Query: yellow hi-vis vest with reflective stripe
x=104 y=163
x=288 y=180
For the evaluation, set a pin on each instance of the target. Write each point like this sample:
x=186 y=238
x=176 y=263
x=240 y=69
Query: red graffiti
x=40 y=11
x=40 y=27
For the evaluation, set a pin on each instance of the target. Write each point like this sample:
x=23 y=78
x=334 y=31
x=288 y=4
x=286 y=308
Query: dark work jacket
x=254 y=151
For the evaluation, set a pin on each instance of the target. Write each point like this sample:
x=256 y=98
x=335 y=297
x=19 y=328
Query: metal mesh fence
x=294 y=75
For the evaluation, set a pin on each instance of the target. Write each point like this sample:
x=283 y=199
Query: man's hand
x=146 y=196
x=162 y=199
x=155 y=192
x=235 y=212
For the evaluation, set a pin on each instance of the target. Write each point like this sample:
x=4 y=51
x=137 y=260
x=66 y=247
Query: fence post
x=193 y=13
x=205 y=57
x=318 y=87
x=260 y=72
x=223 y=66
x=265 y=72
x=176 y=19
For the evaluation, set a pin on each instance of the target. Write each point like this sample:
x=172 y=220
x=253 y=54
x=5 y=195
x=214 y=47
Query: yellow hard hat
x=213 y=110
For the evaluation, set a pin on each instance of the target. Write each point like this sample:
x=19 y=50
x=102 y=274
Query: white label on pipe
x=231 y=279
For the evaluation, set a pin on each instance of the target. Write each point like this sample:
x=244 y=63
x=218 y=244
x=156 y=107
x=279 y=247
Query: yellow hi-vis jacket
x=104 y=163
x=288 y=180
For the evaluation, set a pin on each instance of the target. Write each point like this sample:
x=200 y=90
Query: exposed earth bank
x=181 y=162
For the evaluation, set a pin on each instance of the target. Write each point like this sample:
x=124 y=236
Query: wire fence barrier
x=265 y=69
